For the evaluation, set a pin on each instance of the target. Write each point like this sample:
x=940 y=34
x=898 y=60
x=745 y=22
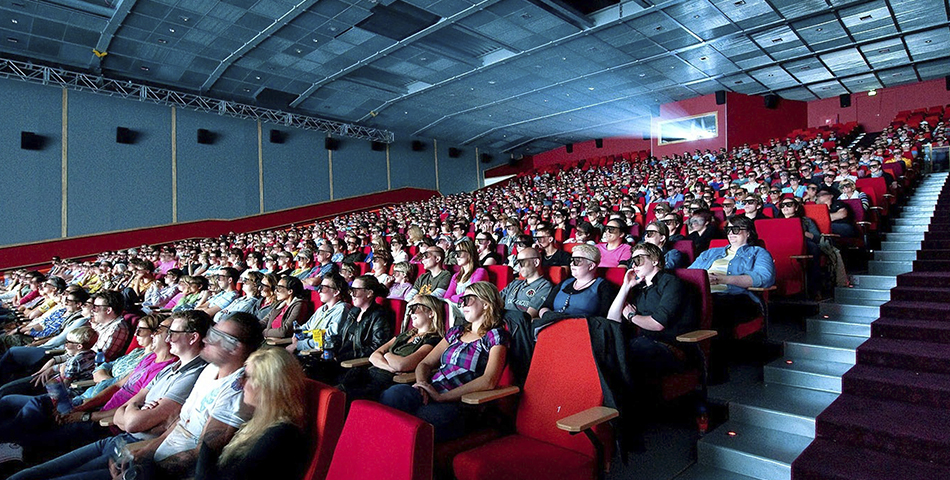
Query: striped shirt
x=463 y=362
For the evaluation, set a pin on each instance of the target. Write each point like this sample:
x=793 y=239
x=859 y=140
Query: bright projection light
x=872 y=93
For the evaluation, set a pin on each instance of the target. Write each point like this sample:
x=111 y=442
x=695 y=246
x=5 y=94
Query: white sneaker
x=10 y=452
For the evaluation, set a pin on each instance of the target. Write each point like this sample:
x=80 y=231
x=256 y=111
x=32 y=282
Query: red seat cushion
x=516 y=456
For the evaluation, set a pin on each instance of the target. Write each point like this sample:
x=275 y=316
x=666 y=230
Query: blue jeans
x=87 y=463
x=20 y=414
x=20 y=361
x=446 y=417
x=21 y=386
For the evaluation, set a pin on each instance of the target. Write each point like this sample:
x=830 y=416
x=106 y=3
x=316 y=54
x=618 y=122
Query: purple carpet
x=892 y=420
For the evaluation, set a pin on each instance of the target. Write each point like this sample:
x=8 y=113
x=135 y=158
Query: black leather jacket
x=361 y=339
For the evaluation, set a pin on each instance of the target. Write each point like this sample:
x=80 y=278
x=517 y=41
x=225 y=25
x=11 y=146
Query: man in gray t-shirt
x=528 y=293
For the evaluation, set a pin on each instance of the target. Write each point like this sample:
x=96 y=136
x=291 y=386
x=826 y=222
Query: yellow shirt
x=720 y=267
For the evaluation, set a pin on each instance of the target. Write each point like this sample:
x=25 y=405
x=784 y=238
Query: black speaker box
x=948 y=82
x=454 y=152
x=599 y=142
x=418 y=146
x=331 y=143
x=31 y=141
x=486 y=158
x=515 y=160
x=845 y=100
x=277 y=136
x=206 y=137
x=378 y=146
x=771 y=101
x=720 y=97
x=125 y=136
x=569 y=147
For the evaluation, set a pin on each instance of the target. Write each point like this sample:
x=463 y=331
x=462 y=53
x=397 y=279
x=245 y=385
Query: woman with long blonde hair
x=469 y=359
x=275 y=385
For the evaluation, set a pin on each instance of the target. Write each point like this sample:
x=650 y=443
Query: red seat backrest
x=874 y=188
x=687 y=248
x=550 y=395
x=500 y=275
x=569 y=247
x=557 y=274
x=363 y=267
x=857 y=209
x=819 y=213
x=326 y=407
x=382 y=442
x=785 y=239
x=398 y=306
x=614 y=275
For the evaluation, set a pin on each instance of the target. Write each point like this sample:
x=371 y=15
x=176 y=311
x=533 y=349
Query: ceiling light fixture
x=162 y=41
x=819 y=29
x=184 y=19
x=14 y=21
x=704 y=58
x=144 y=68
x=865 y=18
x=659 y=27
x=172 y=30
x=12 y=40
x=872 y=92
x=739 y=3
x=590 y=88
x=777 y=40
x=299 y=51
x=316 y=40
x=928 y=41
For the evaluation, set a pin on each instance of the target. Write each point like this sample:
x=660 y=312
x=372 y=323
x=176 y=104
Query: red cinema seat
x=326 y=407
x=500 y=275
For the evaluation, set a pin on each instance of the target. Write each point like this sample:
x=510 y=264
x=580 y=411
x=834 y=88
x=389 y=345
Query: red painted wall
x=875 y=113
x=750 y=122
x=42 y=252
x=589 y=149
x=686 y=108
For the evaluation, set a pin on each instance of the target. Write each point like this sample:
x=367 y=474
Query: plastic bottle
x=100 y=358
x=124 y=459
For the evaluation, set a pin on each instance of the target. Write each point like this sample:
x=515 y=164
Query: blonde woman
x=275 y=385
x=425 y=327
x=469 y=359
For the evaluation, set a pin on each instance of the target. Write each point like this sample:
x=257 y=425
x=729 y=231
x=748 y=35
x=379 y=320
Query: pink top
x=141 y=375
x=612 y=258
x=455 y=290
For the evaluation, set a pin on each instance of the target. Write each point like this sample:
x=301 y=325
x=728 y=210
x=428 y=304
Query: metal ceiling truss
x=39 y=74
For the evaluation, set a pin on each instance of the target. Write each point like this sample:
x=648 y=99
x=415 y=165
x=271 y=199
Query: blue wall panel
x=457 y=174
x=115 y=186
x=296 y=172
x=30 y=180
x=411 y=169
x=219 y=180
x=357 y=169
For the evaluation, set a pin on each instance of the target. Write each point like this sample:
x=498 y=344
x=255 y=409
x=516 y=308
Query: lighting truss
x=29 y=72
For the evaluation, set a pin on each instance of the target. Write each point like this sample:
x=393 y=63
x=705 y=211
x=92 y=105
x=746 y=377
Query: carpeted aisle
x=892 y=420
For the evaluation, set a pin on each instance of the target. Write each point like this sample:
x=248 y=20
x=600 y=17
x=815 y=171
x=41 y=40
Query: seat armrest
x=314 y=351
x=887 y=195
x=830 y=235
x=876 y=208
x=863 y=224
x=279 y=341
x=409 y=377
x=56 y=351
x=355 y=362
x=485 y=396
x=696 y=336
x=800 y=257
x=757 y=289
x=587 y=419
x=82 y=384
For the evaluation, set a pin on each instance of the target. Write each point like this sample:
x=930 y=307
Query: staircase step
x=934 y=254
x=885 y=282
x=923 y=388
x=921 y=228
x=819 y=346
x=896 y=428
x=841 y=310
x=922 y=294
x=935 y=331
x=916 y=220
x=932 y=265
x=779 y=407
x=919 y=209
x=698 y=471
x=889 y=268
x=924 y=279
x=827 y=460
x=753 y=451
x=904 y=237
x=861 y=296
x=888 y=246
x=918 y=309
x=905 y=354
x=803 y=373
x=839 y=327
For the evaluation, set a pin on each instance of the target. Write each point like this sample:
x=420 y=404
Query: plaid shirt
x=80 y=366
x=113 y=338
x=51 y=324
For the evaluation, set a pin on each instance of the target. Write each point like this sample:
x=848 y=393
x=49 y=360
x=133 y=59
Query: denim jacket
x=750 y=260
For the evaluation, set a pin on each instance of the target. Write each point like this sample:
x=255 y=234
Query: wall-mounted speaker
x=32 y=141
x=418 y=146
x=486 y=158
x=378 y=146
x=720 y=97
x=771 y=101
x=599 y=142
x=845 y=100
x=206 y=137
x=948 y=82
x=331 y=143
x=277 y=136
x=646 y=136
x=125 y=136
x=515 y=160
x=569 y=147
x=454 y=152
